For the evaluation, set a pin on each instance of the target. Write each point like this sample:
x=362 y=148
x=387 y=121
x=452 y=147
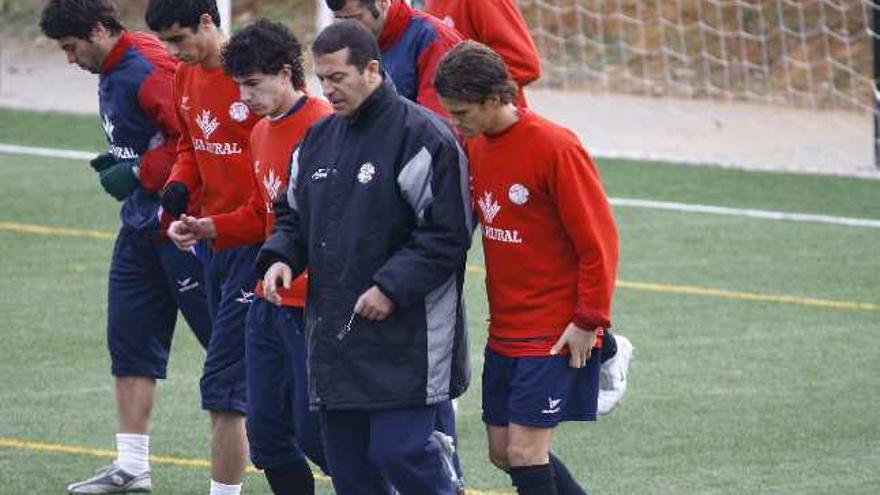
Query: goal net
x=814 y=53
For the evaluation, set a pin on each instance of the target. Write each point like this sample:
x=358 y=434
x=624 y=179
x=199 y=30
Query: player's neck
x=214 y=57
x=106 y=46
x=291 y=99
x=507 y=116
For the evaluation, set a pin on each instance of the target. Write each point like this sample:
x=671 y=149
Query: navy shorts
x=280 y=426
x=538 y=391
x=149 y=281
x=230 y=281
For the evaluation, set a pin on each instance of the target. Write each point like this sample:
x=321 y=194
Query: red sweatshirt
x=272 y=144
x=498 y=24
x=548 y=235
x=214 y=151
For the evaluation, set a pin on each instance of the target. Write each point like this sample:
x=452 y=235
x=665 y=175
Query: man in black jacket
x=380 y=213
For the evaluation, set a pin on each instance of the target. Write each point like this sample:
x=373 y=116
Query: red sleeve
x=500 y=25
x=156 y=99
x=586 y=214
x=186 y=168
x=244 y=225
x=427 y=63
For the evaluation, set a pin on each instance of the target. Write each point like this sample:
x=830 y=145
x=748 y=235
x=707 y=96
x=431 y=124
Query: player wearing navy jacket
x=411 y=41
x=149 y=278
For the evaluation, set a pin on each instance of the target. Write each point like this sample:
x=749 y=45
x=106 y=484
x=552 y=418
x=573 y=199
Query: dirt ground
x=35 y=76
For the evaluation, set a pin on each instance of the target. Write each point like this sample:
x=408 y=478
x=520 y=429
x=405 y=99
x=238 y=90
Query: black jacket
x=380 y=198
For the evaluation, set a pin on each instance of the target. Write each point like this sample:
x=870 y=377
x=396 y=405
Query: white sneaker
x=447 y=451
x=113 y=479
x=612 y=375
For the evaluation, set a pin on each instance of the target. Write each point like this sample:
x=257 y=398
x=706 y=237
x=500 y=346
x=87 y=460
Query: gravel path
x=700 y=132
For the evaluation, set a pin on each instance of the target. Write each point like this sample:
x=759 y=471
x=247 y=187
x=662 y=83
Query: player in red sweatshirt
x=499 y=24
x=550 y=245
x=266 y=62
x=213 y=160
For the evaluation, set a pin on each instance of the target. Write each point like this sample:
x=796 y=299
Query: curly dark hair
x=473 y=73
x=266 y=47
x=162 y=14
x=77 y=18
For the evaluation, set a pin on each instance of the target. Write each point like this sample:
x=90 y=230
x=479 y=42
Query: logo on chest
x=518 y=194
x=489 y=207
x=320 y=174
x=272 y=183
x=239 y=112
x=108 y=126
x=366 y=173
x=207 y=123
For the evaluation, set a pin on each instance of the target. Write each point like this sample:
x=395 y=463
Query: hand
x=119 y=180
x=188 y=231
x=175 y=199
x=103 y=162
x=277 y=274
x=373 y=305
x=580 y=344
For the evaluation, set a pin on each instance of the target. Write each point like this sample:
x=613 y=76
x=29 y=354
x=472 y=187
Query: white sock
x=221 y=489
x=133 y=452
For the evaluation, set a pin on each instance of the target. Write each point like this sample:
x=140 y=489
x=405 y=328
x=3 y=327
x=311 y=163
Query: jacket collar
x=116 y=53
x=399 y=15
x=378 y=101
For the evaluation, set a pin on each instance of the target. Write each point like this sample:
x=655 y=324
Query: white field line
x=745 y=212
x=626 y=202
x=12 y=149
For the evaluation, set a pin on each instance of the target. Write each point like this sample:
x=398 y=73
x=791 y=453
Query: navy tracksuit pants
x=280 y=427
x=367 y=451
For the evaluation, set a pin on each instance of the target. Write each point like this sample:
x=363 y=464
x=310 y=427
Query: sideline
x=625 y=202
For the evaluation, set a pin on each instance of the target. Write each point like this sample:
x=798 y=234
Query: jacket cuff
x=387 y=288
x=223 y=225
x=590 y=320
x=266 y=259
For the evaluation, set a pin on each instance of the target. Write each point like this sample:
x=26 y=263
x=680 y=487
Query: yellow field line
x=41 y=229
x=729 y=294
x=643 y=286
x=750 y=296
x=15 y=443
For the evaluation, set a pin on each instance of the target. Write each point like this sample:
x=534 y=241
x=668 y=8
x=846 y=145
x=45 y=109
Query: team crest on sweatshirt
x=239 y=112
x=366 y=173
x=518 y=194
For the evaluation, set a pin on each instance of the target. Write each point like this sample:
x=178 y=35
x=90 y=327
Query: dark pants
x=230 y=279
x=446 y=424
x=369 y=450
x=280 y=427
x=149 y=282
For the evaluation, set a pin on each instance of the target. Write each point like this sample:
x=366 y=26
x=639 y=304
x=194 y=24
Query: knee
x=523 y=454
x=499 y=460
x=387 y=455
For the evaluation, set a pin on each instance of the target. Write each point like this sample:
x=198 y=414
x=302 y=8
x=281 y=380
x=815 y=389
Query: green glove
x=103 y=162
x=120 y=179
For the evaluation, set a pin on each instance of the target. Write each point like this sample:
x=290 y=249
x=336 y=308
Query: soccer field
x=756 y=370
